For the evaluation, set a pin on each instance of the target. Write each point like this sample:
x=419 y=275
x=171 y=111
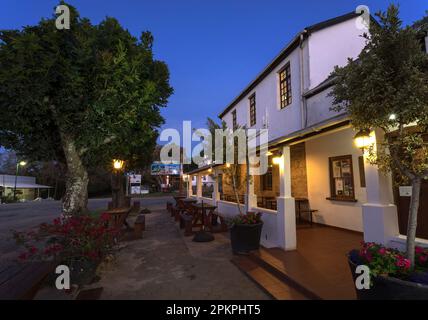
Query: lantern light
x=22 y=163
x=363 y=139
x=118 y=164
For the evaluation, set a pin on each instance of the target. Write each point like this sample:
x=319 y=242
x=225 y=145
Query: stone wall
x=299 y=183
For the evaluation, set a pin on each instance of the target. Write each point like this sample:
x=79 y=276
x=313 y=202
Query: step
x=301 y=281
x=273 y=286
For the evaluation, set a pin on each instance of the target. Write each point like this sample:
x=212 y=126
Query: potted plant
x=245 y=232
x=391 y=275
x=80 y=242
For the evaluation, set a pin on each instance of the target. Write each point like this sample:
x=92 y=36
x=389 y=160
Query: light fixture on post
x=363 y=139
x=118 y=164
x=18 y=164
x=277 y=158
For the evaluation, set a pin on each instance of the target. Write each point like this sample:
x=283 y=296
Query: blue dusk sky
x=213 y=48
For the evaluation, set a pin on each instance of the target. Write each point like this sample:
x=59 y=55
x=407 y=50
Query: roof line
x=284 y=53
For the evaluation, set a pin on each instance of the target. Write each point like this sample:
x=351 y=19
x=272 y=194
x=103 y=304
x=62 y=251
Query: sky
x=213 y=48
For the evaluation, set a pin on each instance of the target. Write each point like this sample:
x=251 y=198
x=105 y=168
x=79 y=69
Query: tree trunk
x=413 y=220
x=76 y=188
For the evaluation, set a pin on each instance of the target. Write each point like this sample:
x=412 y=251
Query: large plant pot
x=387 y=288
x=82 y=272
x=245 y=237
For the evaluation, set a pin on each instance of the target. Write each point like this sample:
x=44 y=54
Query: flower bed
x=77 y=241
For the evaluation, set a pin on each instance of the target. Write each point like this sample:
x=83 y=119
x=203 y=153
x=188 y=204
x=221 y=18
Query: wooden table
x=201 y=215
x=119 y=216
x=20 y=281
x=177 y=198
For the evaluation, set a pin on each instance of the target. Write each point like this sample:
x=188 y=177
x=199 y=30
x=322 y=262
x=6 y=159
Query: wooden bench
x=187 y=220
x=21 y=281
x=139 y=226
x=223 y=226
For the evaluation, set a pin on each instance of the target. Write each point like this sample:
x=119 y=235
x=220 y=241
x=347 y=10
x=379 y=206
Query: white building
x=319 y=161
x=26 y=187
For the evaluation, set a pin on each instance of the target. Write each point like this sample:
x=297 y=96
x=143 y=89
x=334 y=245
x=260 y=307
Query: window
x=266 y=179
x=252 y=110
x=341 y=178
x=285 y=86
x=234 y=123
x=220 y=182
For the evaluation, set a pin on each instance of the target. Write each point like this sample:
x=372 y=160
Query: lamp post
x=22 y=164
x=117 y=185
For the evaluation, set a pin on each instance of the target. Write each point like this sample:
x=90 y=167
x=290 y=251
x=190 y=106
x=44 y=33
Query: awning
x=24 y=185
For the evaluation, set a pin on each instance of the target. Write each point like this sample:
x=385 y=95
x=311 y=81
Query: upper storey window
x=252 y=110
x=234 y=122
x=285 y=86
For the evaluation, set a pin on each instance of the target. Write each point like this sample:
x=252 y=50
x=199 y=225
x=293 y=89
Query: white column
x=380 y=218
x=286 y=217
x=215 y=195
x=199 y=186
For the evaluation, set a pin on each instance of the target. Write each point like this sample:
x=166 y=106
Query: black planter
x=82 y=272
x=388 y=288
x=245 y=237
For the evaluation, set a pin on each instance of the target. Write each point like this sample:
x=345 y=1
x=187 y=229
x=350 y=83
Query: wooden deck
x=318 y=269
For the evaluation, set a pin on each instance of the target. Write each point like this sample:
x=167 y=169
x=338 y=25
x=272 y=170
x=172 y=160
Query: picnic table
x=20 y=281
x=119 y=216
x=178 y=198
x=200 y=210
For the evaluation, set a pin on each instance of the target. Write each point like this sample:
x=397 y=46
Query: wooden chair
x=304 y=207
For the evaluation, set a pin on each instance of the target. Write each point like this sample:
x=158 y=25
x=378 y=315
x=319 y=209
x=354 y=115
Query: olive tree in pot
x=247 y=226
x=386 y=89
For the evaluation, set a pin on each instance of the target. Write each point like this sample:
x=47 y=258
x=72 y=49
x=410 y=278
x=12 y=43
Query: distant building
x=26 y=187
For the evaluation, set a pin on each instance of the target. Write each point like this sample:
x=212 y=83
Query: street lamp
x=118 y=164
x=22 y=164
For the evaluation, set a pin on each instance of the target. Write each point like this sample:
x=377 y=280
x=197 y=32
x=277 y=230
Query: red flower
x=419 y=250
x=423 y=259
x=23 y=256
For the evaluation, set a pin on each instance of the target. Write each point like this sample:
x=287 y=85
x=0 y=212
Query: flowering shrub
x=249 y=218
x=391 y=262
x=77 y=238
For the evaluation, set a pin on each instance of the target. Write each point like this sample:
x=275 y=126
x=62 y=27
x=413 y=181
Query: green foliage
x=96 y=83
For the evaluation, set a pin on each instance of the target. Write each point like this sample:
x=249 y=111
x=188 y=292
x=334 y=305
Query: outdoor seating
x=20 y=281
x=139 y=226
x=303 y=206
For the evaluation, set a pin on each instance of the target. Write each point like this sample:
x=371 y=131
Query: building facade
x=317 y=164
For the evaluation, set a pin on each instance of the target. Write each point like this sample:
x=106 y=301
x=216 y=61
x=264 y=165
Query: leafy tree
x=387 y=88
x=79 y=96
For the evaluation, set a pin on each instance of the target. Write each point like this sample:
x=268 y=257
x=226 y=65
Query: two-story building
x=313 y=160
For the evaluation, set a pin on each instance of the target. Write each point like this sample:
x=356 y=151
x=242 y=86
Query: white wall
x=318 y=107
x=281 y=121
x=346 y=215
x=332 y=46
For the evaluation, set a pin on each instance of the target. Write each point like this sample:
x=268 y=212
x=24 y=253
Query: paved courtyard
x=22 y=216
x=166 y=265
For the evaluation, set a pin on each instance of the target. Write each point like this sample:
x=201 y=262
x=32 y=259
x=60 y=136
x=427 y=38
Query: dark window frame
x=234 y=120
x=252 y=102
x=346 y=180
x=267 y=178
x=285 y=96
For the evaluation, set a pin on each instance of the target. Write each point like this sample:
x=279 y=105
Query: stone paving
x=166 y=265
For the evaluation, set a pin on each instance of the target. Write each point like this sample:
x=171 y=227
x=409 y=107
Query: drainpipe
x=303 y=105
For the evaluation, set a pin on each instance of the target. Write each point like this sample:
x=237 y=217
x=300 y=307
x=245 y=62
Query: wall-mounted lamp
x=227 y=165
x=363 y=139
x=210 y=170
x=277 y=158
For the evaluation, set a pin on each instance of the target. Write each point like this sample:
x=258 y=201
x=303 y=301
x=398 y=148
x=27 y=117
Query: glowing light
x=118 y=164
x=363 y=139
x=22 y=163
x=393 y=117
x=276 y=160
